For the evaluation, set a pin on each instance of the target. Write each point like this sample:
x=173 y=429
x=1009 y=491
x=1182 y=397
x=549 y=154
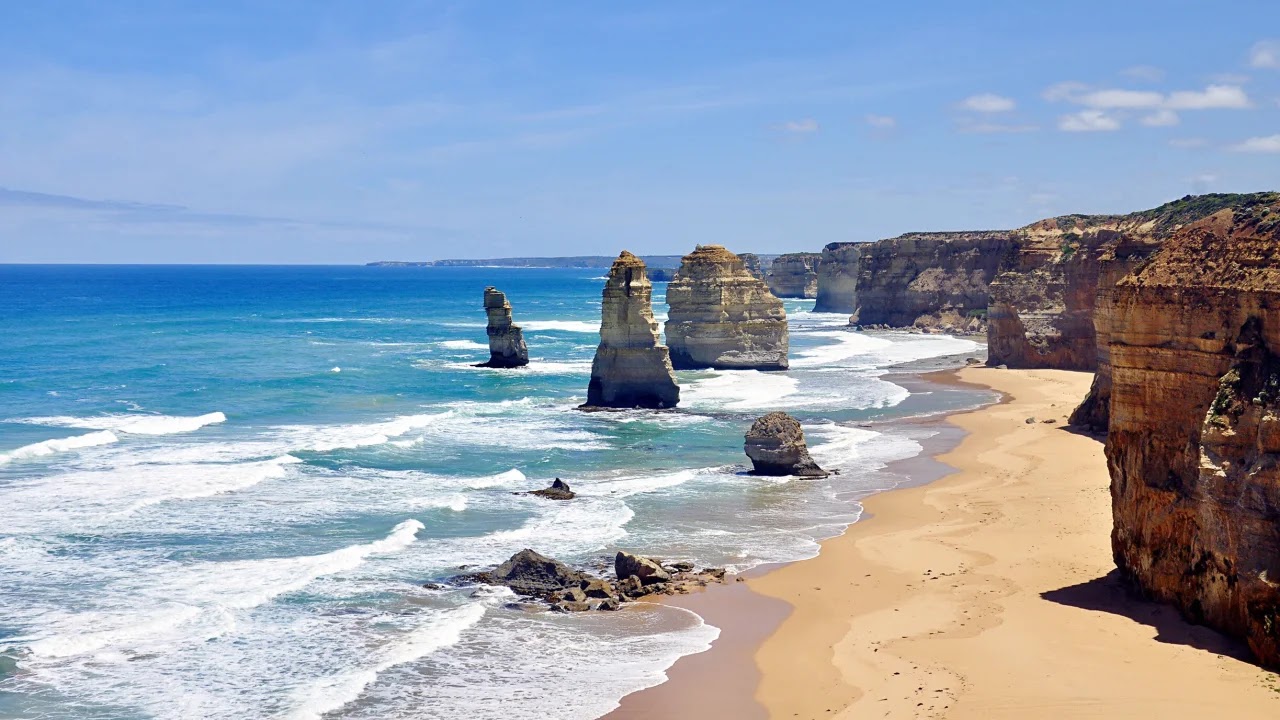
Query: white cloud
x=985 y=128
x=806 y=125
x=1113 y=99
x=1189 y=142
x=883 y=122
x=1088 y=121
x=1268 y=144
x=1161 y=118
x=988 y=103
x=1228 y=97
x=1149 y=73
x=1265 y=54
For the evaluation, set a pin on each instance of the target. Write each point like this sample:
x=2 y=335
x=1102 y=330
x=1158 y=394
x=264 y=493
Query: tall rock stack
x=1194 y=442
x=838 y=278
x=631 y=368
x=506 y=340
x=722 y=316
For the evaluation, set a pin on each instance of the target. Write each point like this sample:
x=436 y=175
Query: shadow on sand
x=1110 y=594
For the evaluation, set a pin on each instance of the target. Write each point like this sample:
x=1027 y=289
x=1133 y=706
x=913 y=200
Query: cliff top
x=1159 y=222
x=1238 y=247
x=711 y=254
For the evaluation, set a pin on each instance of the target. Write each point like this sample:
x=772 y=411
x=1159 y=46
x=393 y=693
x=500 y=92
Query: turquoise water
x=224 y=487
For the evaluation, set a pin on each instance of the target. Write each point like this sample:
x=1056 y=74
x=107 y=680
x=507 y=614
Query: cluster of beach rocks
x=545 y=582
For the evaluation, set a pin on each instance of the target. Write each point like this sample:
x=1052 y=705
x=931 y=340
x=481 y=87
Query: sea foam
x=51 y=447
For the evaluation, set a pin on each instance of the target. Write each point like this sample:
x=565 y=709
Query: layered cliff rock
x=631 y=368
x=1049 y=304
x=722 y=316
x=754 y=264
x=794 y=275
x=1194 y=441
x=506 y=340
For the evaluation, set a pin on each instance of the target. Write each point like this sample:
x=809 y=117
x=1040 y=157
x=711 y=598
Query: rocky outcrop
x=723 y=317
x=558 y=490
x=563 y=589
x=1194 y=440
x=631 y=369
x=775 y=444
x=838 y=278
x=794 y=275
x=506 y=341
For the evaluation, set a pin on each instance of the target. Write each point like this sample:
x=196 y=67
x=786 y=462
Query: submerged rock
x=775 y=444
x=558 y=490
x=506 y=340
x=631 y=369
x=723 y=316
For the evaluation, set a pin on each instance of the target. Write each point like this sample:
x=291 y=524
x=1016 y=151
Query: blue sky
x=332 y=132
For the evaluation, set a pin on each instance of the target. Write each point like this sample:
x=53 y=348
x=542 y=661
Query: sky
x=343 y=132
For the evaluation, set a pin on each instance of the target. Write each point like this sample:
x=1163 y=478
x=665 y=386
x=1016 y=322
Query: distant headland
x=603 y=262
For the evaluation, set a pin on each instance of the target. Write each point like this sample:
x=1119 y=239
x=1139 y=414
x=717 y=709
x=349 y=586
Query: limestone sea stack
x=631 y=368
x=722 y=316
x=506 y=341
x=775 y=444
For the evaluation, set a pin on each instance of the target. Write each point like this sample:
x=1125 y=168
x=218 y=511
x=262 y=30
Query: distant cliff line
x=601 y=262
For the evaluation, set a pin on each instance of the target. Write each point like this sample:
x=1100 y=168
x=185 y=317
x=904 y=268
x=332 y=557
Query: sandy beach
x=990 y=593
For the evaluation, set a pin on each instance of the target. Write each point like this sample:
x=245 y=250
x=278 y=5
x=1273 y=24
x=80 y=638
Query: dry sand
x=988 y=594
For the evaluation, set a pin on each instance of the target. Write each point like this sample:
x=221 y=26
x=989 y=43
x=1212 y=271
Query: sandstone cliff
x=775 y=443
x=1043 y=304
x=754 y=264
x=631 y=369
x=506 y=340
x=722 y=316
x=1194 y=441
x=794 y=275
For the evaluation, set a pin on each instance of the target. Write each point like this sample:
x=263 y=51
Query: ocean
x=224 y=488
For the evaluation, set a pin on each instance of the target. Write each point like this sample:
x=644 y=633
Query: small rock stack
x=631 y=368
x=775 y=444
x=506 y=340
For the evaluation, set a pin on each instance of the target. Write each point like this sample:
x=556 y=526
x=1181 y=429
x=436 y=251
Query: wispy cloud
x=988 y=103
x=1214 y=97
x=1265 y=54
x=1267 y=144
x=804 y=126
x=1146 y=73
x=881 y=122
x=1160 y=118
x=1088 y=121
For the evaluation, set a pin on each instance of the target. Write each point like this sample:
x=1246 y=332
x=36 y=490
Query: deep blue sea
x=223 y=488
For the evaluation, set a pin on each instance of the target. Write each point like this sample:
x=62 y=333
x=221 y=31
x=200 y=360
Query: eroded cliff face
x=928 y=279
x=631 y=368
x=1194 y=440
x=838 y=277
x=795 y=275
x=722 y=316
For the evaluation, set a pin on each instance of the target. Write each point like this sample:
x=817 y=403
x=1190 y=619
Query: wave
x=849 y=344
x=51 y=447
x=462 y=345
x=347 y=437
x=738 y=390
x=196 y=601
x=622 y=487
x=333 y=693
x=580 y=326
x=132 y=424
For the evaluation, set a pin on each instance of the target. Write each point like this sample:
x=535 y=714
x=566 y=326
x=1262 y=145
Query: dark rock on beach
x=649 y=571
x=530 y=573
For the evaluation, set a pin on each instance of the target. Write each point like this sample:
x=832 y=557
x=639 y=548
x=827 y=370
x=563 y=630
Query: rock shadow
x=1111 y=594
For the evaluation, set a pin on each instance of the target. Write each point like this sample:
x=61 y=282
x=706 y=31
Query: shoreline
x=987 y=591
